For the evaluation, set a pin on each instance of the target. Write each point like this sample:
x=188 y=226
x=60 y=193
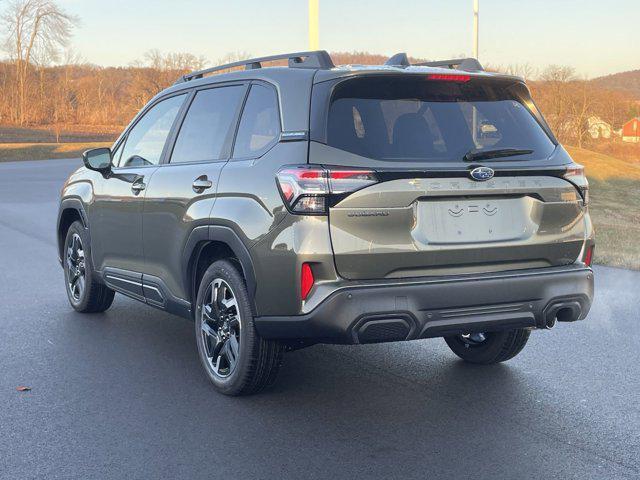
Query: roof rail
x=466 y=64
x=317 y=59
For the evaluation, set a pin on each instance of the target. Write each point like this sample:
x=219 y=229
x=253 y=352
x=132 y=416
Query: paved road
x=121 y=394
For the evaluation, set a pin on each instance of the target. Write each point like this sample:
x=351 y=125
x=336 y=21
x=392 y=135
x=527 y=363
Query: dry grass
x=60 y=134
x=615 y=207
x=599 y=166
x=615 y=211
x=621 y=150
x=43 y=151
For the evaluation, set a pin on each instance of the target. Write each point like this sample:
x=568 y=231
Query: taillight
x=575 y=174
x=306 y=190
x=306 y=280
x=346 y=181
x=574 y=170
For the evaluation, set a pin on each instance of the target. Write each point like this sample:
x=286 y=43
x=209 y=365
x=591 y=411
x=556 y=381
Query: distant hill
x=628 y=82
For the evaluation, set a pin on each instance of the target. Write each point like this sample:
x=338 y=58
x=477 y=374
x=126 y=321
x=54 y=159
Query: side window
x=260 y=123
x=146 y=139
x=207 y=125
x=115 y=154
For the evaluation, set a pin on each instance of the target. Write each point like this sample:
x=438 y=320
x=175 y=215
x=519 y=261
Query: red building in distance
x=631 y=131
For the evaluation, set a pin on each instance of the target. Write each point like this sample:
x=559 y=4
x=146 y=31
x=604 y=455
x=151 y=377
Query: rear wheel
x=490 y=347
x=85 y=294
x=235 y=358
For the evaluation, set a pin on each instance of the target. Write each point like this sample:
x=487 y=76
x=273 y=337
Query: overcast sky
x=594 y=37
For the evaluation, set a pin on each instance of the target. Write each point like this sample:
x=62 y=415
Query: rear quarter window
x=260 y=123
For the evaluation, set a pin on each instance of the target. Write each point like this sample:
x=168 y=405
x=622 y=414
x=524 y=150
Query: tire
x=236 y=360
x=496 y=347
x=84 y=292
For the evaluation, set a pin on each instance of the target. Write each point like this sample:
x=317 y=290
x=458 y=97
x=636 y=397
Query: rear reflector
x=447 y=77
x=588 y=257
x=306 y=281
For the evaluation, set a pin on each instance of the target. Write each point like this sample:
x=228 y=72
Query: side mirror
x=98 y=159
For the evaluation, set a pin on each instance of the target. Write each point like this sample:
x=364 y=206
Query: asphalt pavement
x=121 y=395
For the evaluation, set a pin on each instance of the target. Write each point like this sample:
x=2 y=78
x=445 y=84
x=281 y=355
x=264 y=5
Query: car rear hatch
x=469 y=179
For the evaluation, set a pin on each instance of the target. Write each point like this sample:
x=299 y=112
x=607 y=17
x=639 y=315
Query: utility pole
x=474 y=116
x=314 y=27
x=476 y=19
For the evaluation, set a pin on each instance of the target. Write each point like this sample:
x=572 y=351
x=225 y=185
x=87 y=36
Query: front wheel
x=85 y=293
x=237 y=361
x=490 y=347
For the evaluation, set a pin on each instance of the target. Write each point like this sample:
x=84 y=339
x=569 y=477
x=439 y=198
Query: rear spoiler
x=464 y=64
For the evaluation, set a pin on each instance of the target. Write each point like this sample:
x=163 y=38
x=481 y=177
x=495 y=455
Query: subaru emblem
x=482 y=174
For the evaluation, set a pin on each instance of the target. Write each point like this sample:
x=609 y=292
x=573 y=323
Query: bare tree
x=582 y=108
x=35 y=30
x=524 y=70
x=173 y=61
x=157 y=70
x=232 y=57
x=557 y=99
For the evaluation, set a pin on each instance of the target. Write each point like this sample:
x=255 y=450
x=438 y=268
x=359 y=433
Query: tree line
x=572 y=106
x=41 y=84
x=76 y=94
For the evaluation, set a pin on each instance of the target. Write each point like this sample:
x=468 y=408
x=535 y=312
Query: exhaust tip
x=561 y=312
x=567 y=314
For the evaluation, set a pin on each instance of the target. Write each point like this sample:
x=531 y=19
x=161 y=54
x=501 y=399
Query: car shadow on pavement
x=393 y=409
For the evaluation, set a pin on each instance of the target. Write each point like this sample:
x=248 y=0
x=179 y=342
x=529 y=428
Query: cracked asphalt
x=122 y=395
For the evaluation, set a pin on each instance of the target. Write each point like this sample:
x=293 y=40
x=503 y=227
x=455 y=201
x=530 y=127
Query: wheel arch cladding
x=70 y=211
x=205 y=245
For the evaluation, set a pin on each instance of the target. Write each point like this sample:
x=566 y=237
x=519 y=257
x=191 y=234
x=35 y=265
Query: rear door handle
x=200 y=184
x=138 y=186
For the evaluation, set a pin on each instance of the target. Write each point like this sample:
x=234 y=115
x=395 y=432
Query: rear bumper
x=410 y=309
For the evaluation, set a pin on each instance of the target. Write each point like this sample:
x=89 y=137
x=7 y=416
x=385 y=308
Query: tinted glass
x=425 y=120
x=146 y=139
x=260 y=123
x=207 y=125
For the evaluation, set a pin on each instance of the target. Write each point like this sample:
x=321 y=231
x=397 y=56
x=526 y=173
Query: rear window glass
x=387 y=118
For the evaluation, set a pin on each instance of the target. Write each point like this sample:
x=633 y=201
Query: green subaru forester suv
x=303 y=203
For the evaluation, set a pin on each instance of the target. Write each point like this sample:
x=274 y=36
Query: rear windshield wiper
x=474 y=154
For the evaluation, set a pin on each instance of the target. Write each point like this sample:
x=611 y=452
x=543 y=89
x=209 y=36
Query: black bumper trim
x=437 y=307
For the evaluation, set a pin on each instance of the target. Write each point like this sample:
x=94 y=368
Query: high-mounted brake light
x=305 y=190
x=449 y=77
